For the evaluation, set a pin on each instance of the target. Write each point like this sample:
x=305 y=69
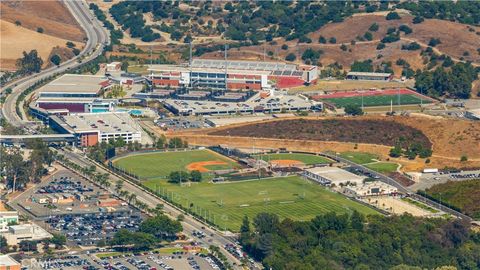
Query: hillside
x=52 y=17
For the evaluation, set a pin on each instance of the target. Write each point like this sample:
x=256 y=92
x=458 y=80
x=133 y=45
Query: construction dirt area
x=397 y=206
x=450 y=140
x=20 y=26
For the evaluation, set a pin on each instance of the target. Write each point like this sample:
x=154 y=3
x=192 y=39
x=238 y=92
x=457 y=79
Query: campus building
x=7 y=218
x=19 y=233
x=232 y=75
x=369 y=76
x=332 y=176
x=90 y=129
x=374 y=188
x=74 y=93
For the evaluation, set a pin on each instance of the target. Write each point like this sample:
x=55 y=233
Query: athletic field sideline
x=225 y=204
x=307 y=159
x=161 y=164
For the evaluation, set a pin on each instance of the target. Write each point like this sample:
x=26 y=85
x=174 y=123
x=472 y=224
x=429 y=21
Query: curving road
x=97 y=37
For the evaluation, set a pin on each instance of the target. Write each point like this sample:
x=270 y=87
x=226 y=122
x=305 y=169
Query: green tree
x=124 y=66
x=55 y=59
x=290 y=57
x=29 y=63
x=162 y=227
x=178 y=177
x=396 y=151
x=374 y=27
x=70 y=44
x=392 y=16
x=40 y=30
x=196 y=176
x=353 y=109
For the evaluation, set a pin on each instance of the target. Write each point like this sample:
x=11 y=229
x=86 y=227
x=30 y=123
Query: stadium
x=233 y=75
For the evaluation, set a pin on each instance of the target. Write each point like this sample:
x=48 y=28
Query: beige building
x=31 y=232
x=375 y=188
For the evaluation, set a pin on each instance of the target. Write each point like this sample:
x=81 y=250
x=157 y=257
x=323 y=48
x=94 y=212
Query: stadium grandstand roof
x=243 y=65
x=353 y=73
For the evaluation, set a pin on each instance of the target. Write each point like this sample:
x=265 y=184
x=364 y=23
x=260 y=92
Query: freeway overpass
x=48 y=138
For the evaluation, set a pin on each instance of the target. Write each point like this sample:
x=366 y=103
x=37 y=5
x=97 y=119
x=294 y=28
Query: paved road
x=189 y=224
x=97 y=36
x=399 y=186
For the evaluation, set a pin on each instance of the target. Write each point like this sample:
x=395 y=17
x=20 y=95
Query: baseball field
x=307 y=159
x=225 y=204
x=161 y=164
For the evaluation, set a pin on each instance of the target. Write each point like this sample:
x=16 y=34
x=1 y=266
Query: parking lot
x=181 y=123
x=66 y=193
x=428 y=180
x=88 y=229
x=154 y=261
x=65 y=262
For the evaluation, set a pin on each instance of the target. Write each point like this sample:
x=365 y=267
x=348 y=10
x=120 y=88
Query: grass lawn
x=225 y=204
x=359 y=157
x=305 y=158
x=161 y=164
x=383 y=167
x=370 y=101
x=138 y=69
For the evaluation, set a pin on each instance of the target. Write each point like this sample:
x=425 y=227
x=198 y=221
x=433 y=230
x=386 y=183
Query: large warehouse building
x=75 y=94
x=332 y=176
x=91 y=129
x=232 y=75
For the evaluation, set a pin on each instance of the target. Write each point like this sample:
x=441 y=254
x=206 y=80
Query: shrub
x=70 y=44
x=322 y=40
x=411 y=47
x=290 y=57
x=55 y=59
x=380 y=46
x=304 y=39
x=464 y=158
x=40 y=30
x=392 y=16
x=332 y=40
x=368 y=36
x=417 y=20
x=373 y=27
x=284 y=47
x=434 y=42
x=343 y=47
x=404 y=28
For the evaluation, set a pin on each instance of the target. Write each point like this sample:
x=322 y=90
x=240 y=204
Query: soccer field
x=307 y=159
x=161 y=164
x=225 y=204
x=383 y=100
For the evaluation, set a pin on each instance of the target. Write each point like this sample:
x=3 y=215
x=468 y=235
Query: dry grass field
x=53 y=17
x=16 y=39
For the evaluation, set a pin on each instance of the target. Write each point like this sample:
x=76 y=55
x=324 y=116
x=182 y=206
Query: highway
x=213 y=237
x=97 y=36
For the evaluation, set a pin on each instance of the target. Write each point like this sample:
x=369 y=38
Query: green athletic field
x=371 y=101
x=359 y=157
x=383 y=167
x=308 y=159
x=225 y=204
x=161 y=164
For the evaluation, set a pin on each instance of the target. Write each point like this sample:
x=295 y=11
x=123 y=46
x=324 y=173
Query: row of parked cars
x=65 y=184
x=88 y=229
x=71 y=261
x=465 y=176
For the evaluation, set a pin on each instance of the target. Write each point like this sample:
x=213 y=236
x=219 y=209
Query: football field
x=378 y=100
x=306 y=159
x=225 y=204
x=161 y=164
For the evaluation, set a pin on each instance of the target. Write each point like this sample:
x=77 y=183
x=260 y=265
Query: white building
x=333 y=176
x=91 y=129
x=374 y=188
x=31 y=232
x=113 y=66
x=6 y=218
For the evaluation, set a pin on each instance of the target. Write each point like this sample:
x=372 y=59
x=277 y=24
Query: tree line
x=332 y=241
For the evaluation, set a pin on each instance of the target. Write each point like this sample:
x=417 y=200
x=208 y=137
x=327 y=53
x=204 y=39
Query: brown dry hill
x=456 y=38
x=450 y=138
x=53 y=16
x=16 y=39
